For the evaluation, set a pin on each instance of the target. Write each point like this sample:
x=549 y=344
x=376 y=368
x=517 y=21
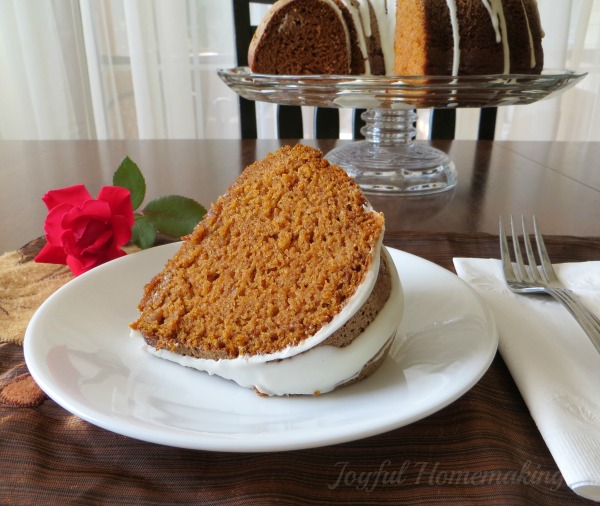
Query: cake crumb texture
x=275 y=258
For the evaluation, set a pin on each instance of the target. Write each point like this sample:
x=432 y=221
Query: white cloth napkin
x=552 y=361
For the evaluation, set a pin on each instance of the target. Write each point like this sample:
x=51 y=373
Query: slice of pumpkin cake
x=283 y=287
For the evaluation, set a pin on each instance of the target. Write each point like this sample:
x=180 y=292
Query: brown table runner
x=482 y=449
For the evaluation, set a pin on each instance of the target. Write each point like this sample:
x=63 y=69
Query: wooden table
x=560 y=182
x=48 y=455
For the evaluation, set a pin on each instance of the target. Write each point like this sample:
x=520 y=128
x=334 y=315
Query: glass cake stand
x=388 y=161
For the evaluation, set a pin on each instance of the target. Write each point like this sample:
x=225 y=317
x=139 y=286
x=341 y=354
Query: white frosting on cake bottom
x=317 y=370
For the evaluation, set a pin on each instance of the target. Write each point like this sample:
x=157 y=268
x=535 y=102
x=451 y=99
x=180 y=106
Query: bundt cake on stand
x=391 y=57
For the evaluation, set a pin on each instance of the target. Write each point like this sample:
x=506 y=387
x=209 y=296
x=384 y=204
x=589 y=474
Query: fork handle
x=588 y=320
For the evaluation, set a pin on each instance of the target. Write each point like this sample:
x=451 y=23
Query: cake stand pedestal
x=388 y=161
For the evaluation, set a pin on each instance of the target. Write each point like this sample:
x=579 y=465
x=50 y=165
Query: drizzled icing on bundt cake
x=498 y=20
x=403 y=37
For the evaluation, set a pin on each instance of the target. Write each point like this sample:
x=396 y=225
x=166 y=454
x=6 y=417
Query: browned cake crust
x=301 y=37
x=356 y=325
x=273 y=260
x=425 y=42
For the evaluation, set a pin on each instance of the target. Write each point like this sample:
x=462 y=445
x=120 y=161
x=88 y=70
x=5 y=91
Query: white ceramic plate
x=78 y=349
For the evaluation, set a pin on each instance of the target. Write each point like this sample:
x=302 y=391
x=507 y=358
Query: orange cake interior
x=275 y=258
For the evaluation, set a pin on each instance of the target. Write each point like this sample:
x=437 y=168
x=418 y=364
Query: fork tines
x=530 y=273
x=530 y=279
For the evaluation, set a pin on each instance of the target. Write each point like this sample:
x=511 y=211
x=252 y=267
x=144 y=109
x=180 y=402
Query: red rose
x=83 y=232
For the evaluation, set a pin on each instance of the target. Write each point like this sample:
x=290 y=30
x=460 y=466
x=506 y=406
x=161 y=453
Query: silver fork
x=531 y=278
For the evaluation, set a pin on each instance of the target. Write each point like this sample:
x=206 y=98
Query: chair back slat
x=487 y=123
x=289 y=122
x=443 y=124
x=327 y=123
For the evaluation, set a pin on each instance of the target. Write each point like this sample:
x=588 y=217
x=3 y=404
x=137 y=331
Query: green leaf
x=143 y=232
x=174 y=215
x=129 y=176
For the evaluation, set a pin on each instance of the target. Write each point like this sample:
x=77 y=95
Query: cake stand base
x=389 y=162
x=410 y=169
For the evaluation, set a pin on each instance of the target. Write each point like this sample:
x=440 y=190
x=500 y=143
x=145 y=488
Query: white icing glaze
x=498 y=19
x=365 y=16
x=455 y=36
x=328 y=366
x=531 y=45
x=360 y=33
x=385 y=14
x=498 y=12
x=494 y=19
x=339 y=14
x=361 y=16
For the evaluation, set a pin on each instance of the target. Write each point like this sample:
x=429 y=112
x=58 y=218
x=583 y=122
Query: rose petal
x=73 y=195
x=119 y=200
x=113 y=253
x=53 y=226
x=102 y=243
x=121 y=230
x=90 y=209
x=84 y=263
x=76 y=266
x=69 y=243
x=86 y=229
x=51 y=255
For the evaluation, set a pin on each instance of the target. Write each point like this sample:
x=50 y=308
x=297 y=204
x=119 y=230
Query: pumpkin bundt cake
x=283 y=287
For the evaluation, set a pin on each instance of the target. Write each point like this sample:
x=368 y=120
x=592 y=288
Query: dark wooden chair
x=443 y=124
x=327 y=121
